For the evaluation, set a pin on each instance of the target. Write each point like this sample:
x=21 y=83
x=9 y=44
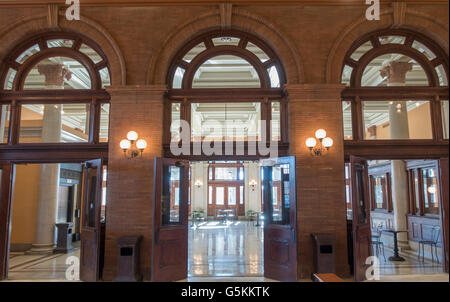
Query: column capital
x=395 y=71
x=136 y=93
x=55 y=74
x=314 y=92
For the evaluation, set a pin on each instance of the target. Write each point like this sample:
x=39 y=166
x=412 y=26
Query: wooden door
x=6 y=191
x=90 y=220
x=443 y=177
x=362 y=246
x=170 y=220
x=280 y=225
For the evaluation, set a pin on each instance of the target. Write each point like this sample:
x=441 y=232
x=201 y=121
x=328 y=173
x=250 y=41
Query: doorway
x=52 y=207
x=224 y=243
x=396 y=212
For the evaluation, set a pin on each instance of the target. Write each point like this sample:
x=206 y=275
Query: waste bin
x=64 y=241
x=128 y=262
x=324 y=248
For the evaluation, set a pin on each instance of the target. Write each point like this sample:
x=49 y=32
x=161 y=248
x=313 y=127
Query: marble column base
x=41 y=249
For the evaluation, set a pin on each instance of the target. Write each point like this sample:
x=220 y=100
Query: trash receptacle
x=324 y=248
x=128 y=262
x=64 y=241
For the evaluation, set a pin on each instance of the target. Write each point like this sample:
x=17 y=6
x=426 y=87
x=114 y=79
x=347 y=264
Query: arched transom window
x=226 y=60
x=398 y=88
x=52 y=84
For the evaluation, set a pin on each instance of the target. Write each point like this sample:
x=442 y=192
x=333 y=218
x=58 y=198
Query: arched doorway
x=226 y=108
x=54 y=121
x=395 y=117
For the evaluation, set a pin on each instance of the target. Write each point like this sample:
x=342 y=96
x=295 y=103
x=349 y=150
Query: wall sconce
x=253 y=184
x=130 y=149
x=324 y=146
x=198 y=183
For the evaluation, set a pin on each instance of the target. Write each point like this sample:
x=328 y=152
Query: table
x=396 y=256
x=258 y=214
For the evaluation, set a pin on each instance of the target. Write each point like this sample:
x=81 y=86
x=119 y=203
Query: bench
x=329 y=277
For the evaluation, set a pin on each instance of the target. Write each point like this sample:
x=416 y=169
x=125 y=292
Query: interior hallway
x=232 y=249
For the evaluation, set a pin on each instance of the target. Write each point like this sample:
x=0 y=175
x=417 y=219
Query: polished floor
x=46 y=268
x=232 y=249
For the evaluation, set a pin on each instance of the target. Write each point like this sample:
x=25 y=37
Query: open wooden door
x=170 y=220
x=443 y=176
x=90 y=220
x=6 y=190
x=362 y=242
x=280 y=222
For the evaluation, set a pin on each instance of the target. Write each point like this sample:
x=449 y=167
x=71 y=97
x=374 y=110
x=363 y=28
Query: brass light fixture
x=325 y=143
x=253 y=184
x=131 y=146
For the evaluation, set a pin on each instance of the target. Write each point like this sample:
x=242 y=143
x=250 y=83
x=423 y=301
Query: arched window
x=225 y=78
x=54 y=84
x=226 y=60
x=397 y=88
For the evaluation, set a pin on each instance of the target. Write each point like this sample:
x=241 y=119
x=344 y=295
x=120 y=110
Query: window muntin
x=65 y=123
x=347 y=120
x=361 y=50
x=175 y=122
x=226 y=71
x=28 y=53
x=75 y=75
x=391 y=40
x=423 y=49
x=413 y=119
x=276 y=121
x=104 y=122
x=257 y=52
x=91 y=53
x=346 y=75
x=60 y=43
x=445 y=117
x=372 y=77
x=226 y=121
x=430 y=191
x=10 y=79
x=228 y=41
x=4 y=123
x=191 y=54
x=178 y=78
x=380 y=191
x=442 y=75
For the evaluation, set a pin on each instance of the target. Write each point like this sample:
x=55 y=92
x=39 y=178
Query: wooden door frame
x=6 y=205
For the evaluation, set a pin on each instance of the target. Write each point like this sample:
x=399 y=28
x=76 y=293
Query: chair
x=376 y=241
x=433 y=242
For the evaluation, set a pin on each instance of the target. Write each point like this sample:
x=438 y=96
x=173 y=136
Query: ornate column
x=49 y=174
x=398 y=118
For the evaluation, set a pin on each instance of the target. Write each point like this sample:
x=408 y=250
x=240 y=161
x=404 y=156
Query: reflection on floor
x=232 y=249
x=43 y=267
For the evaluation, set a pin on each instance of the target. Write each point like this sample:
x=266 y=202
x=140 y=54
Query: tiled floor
x=56 y=267
x=226 y=249
x=220 y=253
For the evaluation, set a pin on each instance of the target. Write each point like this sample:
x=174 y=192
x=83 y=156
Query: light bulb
x=327 y=142
x=311 y=142
x=320 y=134
x=141 y=144
x=431 y=190
x=125 y=144
x=132 y=136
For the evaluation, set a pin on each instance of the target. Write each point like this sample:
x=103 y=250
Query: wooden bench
x=329 y=277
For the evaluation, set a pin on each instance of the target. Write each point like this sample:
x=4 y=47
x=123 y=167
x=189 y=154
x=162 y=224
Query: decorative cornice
x=128 y=3
x=314 y=92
